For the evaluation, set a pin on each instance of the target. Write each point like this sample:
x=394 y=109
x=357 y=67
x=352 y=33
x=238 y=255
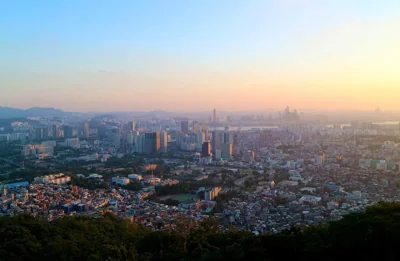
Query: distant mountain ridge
x=8 y=112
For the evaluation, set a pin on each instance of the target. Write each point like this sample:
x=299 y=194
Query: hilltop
x=8 y=112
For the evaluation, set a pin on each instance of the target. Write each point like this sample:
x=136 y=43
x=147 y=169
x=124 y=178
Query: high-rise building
x=217 y=154
x=206 y=149
x=42 y=133
x=320 y=159
x=226 y=137
x=129 y=137
x=211 y=193
x=226 y=151
x=214 y=115
x=68 y=132
x=86 y=130
x=248 y=156
x=152 y=143
x=164 y=142
x=196 y=127
x=185 y=127
x=135 y=134
x=216 y=141
x=192 y=138
x=114 y=136
x=101 y=132
x=235 y=139
x=139 y=143
x=56 y=131
x=200 y=138
x=131 y=125
x=206 y=135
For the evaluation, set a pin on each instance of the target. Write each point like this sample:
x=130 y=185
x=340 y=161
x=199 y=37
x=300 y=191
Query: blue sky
x=171 y=47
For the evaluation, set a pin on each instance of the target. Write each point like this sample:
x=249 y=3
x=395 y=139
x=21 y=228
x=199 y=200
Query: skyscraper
x=115 y=137
x=185 y=127
x=152 y=143
x=86 y=130
x=164 y=142
x=216 y=141
x=236 y=139
x=200 y=138
x=206 y=149
x=101 y=132
x=129 y=137
x=320 y=159
x=226 y=137
x=68 y=132
x=214 y=115
x=56 y=131
x=135 y=134
x=139 y=143
x=192 y=138
x=196 y=127
x=42 y=133
x=131 y=125
x=226 y=151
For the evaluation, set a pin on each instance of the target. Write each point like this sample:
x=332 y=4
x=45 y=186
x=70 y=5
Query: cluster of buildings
x=211 y=193
x=208 y=144
x=51 y=201
x=59 y=179
x=293 y=174
x=271 y=209
x=45 y=129
x=43 y=150
x=151 y=143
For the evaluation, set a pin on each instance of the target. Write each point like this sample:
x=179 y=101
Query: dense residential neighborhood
x=259 y=179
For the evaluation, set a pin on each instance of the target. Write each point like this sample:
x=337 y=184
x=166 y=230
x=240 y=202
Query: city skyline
x=206 y=130
x=177 y=56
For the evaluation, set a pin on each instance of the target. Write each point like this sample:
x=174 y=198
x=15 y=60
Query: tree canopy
x=362 y=236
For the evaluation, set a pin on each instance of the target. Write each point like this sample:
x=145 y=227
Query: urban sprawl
x=154 y=170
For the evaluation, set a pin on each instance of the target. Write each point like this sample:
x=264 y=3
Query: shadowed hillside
x=365 y=236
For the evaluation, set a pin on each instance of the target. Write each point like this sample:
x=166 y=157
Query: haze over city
x=197 y=55
x=208 y=130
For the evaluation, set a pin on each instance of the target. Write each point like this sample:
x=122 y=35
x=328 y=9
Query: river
x=269 y=127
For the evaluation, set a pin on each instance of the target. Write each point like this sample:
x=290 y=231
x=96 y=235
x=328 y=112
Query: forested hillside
x=373 y=235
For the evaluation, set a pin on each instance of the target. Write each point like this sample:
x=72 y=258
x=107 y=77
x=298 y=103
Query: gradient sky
x=91 y=55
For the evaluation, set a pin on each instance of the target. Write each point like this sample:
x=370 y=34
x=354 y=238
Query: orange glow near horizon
x=348 y=64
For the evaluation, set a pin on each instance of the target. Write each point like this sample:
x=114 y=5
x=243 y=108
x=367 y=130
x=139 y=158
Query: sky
x=189 y=55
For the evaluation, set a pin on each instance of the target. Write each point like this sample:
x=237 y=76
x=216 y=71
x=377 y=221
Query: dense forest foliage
x=181 y=187
x=90 y=183
x=373 y=235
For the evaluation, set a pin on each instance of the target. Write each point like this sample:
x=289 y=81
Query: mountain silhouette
x=8 y=112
